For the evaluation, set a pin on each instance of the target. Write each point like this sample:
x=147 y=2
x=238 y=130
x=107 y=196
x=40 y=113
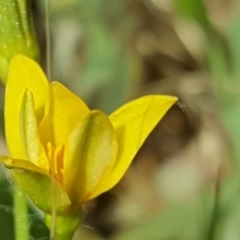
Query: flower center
x=55 y=158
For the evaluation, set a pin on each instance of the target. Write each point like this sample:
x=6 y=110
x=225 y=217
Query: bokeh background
x=184 y=184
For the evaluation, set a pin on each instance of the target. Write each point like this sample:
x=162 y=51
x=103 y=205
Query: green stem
x=20 y=214
x=66 y=225
x=215 y=213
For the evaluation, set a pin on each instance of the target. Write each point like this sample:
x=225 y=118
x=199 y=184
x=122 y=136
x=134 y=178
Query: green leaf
x=194 y=9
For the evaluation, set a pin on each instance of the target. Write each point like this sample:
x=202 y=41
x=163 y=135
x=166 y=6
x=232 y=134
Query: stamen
x=55 y=158
x=58 y=157
x=50 y=156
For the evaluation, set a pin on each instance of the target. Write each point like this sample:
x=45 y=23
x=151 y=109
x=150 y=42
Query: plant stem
x=215 y=213
x=66 y=225
x=20 y=214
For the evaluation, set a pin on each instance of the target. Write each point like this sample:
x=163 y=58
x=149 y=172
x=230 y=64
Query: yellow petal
x=62 y=114
x=39 y=188
x=133 y=122
x=37 y=183
x=89 y=156
x=22 y=164
x=29 y=132
x=24 y=74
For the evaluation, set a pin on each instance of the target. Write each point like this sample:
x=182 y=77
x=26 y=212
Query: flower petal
x=37 y=183
x=89 y=156
x=133 y=122
x=39 y=188
x=29 y=132
x=24 y=74
x=22 y=164
x=62 y=115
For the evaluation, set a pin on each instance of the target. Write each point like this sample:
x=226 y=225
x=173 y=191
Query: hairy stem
x=21 y=226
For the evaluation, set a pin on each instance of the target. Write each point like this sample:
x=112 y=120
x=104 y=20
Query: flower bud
x=16 y=33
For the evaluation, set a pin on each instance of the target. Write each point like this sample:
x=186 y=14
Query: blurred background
x=184 y=184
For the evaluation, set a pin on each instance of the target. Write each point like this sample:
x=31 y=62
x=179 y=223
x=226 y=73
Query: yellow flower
x=50 y=132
